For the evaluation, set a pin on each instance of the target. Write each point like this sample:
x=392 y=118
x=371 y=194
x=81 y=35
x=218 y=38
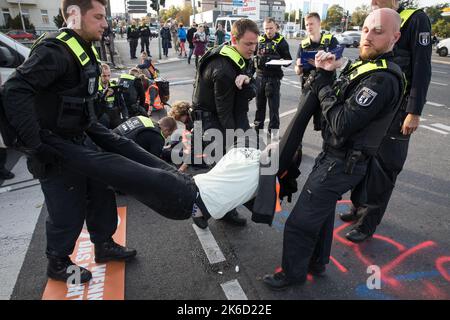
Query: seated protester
x=147 y=67
x=180 y=112
x=146 y=133
x=112 y=109
x=153 y=101
x=133 y=93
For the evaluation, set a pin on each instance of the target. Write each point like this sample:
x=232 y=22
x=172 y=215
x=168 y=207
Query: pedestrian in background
x=220 y=35
x=200 y=41
x=190 y=38
x=165 y=39
x=182 y=36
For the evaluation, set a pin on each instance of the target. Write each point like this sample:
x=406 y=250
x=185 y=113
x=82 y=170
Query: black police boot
x=317 y=269
x=278 y=281
x=111 y=251
x=57 y=269
x=5 y=174
x=350 y=216
x=357 y=236
x=233 y=218
x=200 y=222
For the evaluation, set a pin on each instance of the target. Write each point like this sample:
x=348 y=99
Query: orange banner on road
x=108 y=279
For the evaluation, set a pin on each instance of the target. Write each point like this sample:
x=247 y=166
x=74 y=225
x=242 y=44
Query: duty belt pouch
x=71 y=113
x=352 y=158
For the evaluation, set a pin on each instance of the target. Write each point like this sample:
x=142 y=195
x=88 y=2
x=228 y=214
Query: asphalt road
x=411 y=247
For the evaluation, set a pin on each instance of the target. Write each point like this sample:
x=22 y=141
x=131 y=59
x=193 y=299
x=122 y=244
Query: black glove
x=319 y=79
x=288 y=183
x=47 y=154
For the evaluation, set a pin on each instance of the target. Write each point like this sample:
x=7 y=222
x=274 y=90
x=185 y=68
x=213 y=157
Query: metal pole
x=159 y=34
x=21 y=16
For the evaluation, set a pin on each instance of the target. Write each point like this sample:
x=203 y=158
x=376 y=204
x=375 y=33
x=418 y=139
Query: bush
x=16 y=23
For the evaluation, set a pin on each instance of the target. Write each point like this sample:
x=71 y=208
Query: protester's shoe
x=357 y=236
x=278 y=281
x=233 y=218
x=57 y=270
x=5 y=174
x=200 y=222
x=350 y=216
x=317 y=269
x=109 y=250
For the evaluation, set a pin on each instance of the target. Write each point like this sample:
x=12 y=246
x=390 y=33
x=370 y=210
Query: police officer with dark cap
x=55 y=90
x=413 y=54
x=133 y=35
x=217 y=100
x=357 y=111
x=271 y=46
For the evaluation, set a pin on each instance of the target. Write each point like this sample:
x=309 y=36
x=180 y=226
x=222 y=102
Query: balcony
x=22 y=1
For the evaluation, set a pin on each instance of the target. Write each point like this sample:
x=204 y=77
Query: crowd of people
x=92 y=131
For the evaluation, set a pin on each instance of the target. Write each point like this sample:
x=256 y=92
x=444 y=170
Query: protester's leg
x=261 y=101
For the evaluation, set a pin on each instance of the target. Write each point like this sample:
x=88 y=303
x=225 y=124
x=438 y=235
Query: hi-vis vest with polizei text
x=325 y=40
x=135 y=125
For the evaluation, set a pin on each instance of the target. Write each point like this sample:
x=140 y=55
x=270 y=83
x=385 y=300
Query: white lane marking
x=434 y=104
x=290 y=84
x=441 y=72
x=233 y=290
x=175 y=83
x=433 y=129
x=423 y=119
x=209 y=245
x=439 y=83
x=441 y=126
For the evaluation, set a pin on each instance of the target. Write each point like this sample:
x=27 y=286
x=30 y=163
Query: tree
x=334 y=17
x=58 y=20
x=184 y=15
x=435 y=12
x=290 y=16
x=170 y=13
x=442 y=28
x=16 y=23
x=359 y=15
x=409 y=4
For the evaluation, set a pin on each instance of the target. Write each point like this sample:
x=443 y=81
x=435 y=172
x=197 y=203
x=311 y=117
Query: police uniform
x=133 y=37
x=413 y=55
x=55 y=90
x=144 y=132
x=357 y=112
x=268 y=79
x=113 y=110
x=133 y=94
x=144 y=33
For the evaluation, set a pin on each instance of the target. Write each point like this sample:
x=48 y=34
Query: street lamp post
x=21 y=16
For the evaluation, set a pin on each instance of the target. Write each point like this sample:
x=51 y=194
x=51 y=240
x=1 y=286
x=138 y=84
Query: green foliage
x=58 y=20
x=359 y=15
x=16 y=23
x=334 y=17
x=442 y=28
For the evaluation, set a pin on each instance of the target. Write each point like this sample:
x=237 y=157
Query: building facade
x=40 y=13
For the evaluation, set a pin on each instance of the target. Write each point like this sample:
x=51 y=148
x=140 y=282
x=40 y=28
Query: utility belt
x=350 y=156
x=76 y=114
x=201 y=115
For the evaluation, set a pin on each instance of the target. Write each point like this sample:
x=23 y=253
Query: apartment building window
x=26 y=13
x=44 y=14
x=6 y=15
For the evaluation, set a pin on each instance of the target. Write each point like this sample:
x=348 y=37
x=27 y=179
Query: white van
x=12 y=55
x=226 y=23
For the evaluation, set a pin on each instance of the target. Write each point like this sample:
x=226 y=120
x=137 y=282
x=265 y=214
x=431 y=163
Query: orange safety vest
x=157 y=105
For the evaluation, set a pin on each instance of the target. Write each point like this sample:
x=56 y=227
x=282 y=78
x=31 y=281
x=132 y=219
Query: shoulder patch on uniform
x=424 y=38
x=365 y=96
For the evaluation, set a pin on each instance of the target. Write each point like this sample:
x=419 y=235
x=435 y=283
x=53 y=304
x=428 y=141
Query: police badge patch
x=424 y=38
x=365 y=96
x=91 y=86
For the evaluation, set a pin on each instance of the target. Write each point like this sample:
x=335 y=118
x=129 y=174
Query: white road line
x=284 y=114
x=290 y=84
x=434 y=104
x=442 y=72
x=233 y=290
x=433 y=129
x=441 y=126
x=209 y=245
x=439 y=83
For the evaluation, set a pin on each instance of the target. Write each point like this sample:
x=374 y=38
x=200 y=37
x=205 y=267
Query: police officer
x=144 y=33
x=113 y=110
x=133 y=39
x=271 y=46
x=54 y=90
x=357 y=111
x=217 y=101
x=133 y=93
x=149 y=135
x=413 y=55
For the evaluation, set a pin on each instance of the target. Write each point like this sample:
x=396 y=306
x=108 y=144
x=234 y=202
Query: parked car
x=20 y=35
x=443 y=47
x=153 y=32
x=344 y=40
x=356 y=36
x=12 y=55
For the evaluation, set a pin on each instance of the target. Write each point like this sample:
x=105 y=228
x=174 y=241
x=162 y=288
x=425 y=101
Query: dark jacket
x=190 y=37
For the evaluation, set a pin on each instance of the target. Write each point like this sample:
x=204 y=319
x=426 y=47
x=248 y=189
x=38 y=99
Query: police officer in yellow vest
x=133 y=93
x=217 y=100
x=413 y=55
x=314 y=42
x=271 y=46
x=54 y=92
x=357 y=112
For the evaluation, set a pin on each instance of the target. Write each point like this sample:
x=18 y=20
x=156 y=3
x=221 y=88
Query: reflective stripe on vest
x=361 y=69
x=233 y=54
x=307 y=42
x=157 y=105
x=109 y=99
x=277 y=40
x=76 y=48
x=147 y=122
x=127 y=76
x=406 y=14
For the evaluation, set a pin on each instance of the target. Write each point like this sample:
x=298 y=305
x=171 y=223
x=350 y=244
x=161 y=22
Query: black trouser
x=268 y=89
x=71 y=199
x=372 y=196
x=2 y=158
x=308 y=231
x=133 y=47
x=145 y=41
x=130 y=169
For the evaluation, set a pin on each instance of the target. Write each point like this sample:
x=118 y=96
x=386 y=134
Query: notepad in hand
x=306 y=55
